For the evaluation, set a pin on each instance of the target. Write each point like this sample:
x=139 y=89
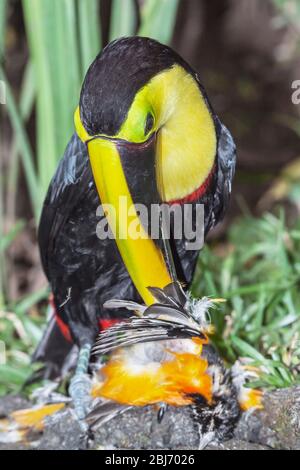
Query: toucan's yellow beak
x=142 y=258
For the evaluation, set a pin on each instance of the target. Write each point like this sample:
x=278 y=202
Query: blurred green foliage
x=290 y=9
x=2 y=26
x=21 y=328
x=258 y=272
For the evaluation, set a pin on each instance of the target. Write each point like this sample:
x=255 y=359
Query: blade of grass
x=89 y=32
x=2 y=257
x=27 y=93
x=12 y=375
x=72 y=49
x=257 y=288
x=27 y=302
x=158 y=19
x=23 y=143
x=248 y=351
x=123 y=19
x=54 y=36
x=37 y=16
x=26 y=103
x=62 y=43
x=53 y=42
x=3 y=5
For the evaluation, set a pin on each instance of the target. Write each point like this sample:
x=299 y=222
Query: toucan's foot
x=80 y=392
x=80 y=386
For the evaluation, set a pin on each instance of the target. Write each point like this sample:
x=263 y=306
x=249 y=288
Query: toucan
x=145 y=132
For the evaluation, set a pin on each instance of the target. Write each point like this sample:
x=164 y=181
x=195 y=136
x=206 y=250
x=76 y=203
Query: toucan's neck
x=199 y=192
x=186 y=139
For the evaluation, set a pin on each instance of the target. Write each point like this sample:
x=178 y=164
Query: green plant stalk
x=24 y=144
x=5 y=242
x=89 y=31
x=158 y=19
x=55 y=52
x=36 y=16
x=123 y=19
x=72 y=46
x=26 y=103
x=3 y=5
x=64 y=68
x=30 y=300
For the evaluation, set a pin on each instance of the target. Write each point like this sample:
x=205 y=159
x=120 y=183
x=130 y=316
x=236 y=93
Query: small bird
x=147 y=133
x=162 y=356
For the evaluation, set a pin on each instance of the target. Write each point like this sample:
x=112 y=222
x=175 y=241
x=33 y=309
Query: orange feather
x=171 y=382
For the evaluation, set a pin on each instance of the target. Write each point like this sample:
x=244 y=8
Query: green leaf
x=27 y=95
x=25 y=147
x=158 y=19
x=27 y=302
x=53 y=42
x=13 y=375
x=89 y=30
x=38 y=18
x=247 y=350
x=123 y=19
x=3 y=5
x=26 y=103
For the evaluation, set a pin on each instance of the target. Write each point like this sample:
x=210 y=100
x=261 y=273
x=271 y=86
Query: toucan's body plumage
x=146 y=129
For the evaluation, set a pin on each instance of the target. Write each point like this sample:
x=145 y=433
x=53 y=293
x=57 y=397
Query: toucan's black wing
x=65 y=191
x=226 y=169
x=67 y=187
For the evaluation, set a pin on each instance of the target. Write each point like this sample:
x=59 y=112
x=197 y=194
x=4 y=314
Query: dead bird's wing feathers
x=172 y=294
x=128 y=304
x=141 y=330
x=104 y=412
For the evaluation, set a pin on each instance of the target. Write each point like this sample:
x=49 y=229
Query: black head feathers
x=115 y=76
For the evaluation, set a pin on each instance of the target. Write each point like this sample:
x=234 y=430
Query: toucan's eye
x=149 y=123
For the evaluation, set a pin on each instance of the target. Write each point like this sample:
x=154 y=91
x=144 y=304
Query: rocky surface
x=276 y=427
